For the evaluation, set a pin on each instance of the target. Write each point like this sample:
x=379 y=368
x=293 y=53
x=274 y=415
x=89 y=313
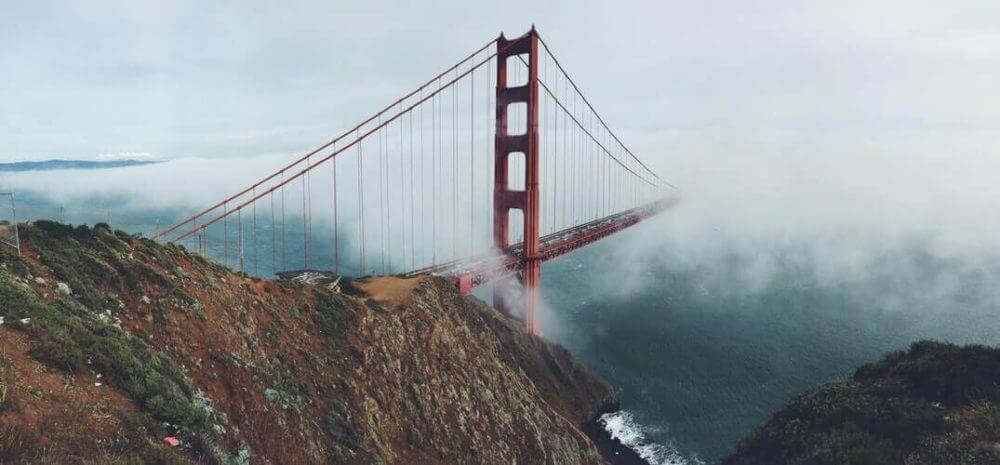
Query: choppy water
x=704 y=346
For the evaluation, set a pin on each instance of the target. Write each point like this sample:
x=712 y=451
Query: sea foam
x=623 y=427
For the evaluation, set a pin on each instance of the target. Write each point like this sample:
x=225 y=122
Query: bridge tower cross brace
x=527 y=200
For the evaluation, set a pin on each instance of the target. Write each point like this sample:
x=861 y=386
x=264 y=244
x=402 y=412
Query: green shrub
x=929 y=404
x=69 y=337
x=332 y=316
x=941 y=372
x=54 y=229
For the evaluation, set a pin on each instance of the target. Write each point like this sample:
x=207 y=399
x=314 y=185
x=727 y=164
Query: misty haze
x=737 y=233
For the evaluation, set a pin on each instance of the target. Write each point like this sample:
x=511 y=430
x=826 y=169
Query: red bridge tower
x=527 y=200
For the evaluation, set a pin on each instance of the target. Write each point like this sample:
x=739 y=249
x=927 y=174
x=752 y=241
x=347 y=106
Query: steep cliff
x=932 y=404
x=111 y=344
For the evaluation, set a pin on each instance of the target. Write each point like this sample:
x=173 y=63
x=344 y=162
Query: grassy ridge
x=70 y=335
x=934 y=403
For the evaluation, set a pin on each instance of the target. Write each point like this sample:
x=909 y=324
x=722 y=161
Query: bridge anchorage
x=480 y=174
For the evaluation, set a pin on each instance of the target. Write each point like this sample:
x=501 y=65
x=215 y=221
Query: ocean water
x=704 y=346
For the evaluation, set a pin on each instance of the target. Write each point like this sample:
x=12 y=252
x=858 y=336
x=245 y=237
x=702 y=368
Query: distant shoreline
x=51 y=165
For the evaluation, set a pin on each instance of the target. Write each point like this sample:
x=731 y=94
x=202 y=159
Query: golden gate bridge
x=480 y=174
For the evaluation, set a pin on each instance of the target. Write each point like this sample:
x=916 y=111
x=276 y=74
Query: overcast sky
x=178 y=79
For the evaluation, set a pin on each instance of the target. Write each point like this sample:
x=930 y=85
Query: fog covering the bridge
x=846 y=204
x=738 y=193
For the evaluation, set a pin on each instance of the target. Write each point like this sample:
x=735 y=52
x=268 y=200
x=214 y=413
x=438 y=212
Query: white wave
x=623 y=427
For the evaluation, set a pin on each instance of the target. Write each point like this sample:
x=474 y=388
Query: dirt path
x=389 y=289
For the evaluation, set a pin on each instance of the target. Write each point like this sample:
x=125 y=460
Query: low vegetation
x=935 y=403
x=70 y=334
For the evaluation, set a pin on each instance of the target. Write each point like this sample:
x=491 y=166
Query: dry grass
x=12 y=443
x=6 y=382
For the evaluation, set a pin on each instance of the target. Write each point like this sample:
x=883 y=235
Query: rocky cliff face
x=111 y=344
x=932 y=404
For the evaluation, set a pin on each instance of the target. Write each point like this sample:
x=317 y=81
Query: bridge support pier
x=504 y=198
x=531 y=278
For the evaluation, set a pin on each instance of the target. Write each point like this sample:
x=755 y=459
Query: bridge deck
x=480 y=270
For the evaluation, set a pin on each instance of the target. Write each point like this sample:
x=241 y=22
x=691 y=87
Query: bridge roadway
x=476 y=271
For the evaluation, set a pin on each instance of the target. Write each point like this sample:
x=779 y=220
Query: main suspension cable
x=587 y=102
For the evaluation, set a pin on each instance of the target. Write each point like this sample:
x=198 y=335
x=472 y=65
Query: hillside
x=112 y=344
x=932 y=404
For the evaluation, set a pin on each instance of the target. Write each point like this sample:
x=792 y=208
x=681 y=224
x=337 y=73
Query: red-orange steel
x=527 y=200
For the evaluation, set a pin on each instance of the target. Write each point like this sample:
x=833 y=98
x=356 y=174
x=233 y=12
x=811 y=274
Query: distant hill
x=933 y=404
x=47 y=165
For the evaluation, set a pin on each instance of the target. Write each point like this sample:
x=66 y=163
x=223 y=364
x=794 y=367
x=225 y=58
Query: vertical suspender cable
x=388 y=202
x=256 y=267
x=239 y=236
x=472 y=162
x=584 y=168
x=283 y=250
x=361 y=207
x=556 y=171
x=608 y=170
x=585 y=171
x=402 y=201
x=225 y=235
x=381 y=206
x=309 y=222
x=565 y=159
x=578 y=162
x=441 y=156
x=423 y=190
x=434 y=182
x=336 y=230
x=305 y=219
x=454 y=169
x=548 y=161
x=413 y=249
x=592 y=187
x=592 y=176
x=274 y=254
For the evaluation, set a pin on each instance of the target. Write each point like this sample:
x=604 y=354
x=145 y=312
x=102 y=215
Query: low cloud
x=141 y=156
